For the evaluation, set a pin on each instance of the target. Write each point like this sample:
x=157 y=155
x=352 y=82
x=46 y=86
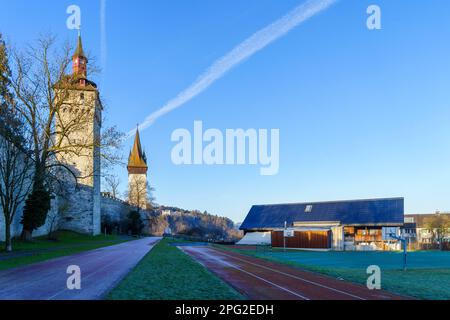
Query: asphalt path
x=100 y=270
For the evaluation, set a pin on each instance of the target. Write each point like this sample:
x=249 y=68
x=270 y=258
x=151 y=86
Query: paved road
x=262 y=280
x=101 y=270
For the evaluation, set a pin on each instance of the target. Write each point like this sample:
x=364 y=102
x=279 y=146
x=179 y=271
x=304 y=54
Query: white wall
x=337 y=238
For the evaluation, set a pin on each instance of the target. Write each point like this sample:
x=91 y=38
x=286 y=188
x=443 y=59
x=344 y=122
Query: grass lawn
x=166 y=273
x=427 y=277
x=43 y=249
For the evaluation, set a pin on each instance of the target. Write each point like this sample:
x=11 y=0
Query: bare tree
x=15 y=163
x=151 y=203
x=112 y=182
x=138 y=192
x=42 y=88
x=14 y=186
x=439 y=225
x=15 y=178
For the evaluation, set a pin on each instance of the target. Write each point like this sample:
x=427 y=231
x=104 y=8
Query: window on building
x=349 y=231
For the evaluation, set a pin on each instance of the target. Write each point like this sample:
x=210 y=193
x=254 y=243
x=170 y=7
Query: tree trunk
x=8 y=243
x=26 y=235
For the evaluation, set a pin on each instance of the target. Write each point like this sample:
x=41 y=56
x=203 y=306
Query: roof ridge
x=323 y=202
x=426 y=214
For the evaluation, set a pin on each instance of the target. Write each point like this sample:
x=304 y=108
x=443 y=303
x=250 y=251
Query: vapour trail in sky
x=103 y=34
x=244 y=50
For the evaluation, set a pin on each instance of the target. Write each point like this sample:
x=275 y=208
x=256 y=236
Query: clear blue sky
x=361 y=113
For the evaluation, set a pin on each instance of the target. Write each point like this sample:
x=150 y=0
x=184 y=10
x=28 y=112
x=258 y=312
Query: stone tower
x=137 y=175
x=78 y=124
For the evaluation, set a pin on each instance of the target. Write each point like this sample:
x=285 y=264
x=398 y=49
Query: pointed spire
x=79 y=61
x=79 y=52
x=137 y=158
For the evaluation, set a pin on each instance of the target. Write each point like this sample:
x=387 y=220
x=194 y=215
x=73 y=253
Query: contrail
x=244 y=50
x=103 y=45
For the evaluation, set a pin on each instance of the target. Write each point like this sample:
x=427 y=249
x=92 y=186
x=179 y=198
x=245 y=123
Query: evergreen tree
x=135 y=222
x=36 y=207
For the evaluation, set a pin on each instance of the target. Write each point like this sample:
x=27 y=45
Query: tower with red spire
x=79 y=60
x=80 y=109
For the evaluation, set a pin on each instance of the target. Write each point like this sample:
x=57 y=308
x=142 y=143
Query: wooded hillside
x=192 y=223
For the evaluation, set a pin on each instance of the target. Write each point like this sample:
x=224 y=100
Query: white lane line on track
x=292 y=276
x=255 y=276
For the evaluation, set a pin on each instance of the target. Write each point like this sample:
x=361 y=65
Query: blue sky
x=361 y=113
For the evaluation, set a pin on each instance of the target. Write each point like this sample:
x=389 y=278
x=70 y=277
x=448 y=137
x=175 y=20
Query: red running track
x=258 y=279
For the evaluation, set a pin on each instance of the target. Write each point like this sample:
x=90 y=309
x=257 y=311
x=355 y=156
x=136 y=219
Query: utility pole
x=405 y=249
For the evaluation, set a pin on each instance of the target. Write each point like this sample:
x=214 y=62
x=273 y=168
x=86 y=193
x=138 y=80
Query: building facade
x=336 y=225
x=427 y=230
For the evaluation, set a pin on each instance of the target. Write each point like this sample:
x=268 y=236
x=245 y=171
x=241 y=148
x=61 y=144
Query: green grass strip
x=166 y=273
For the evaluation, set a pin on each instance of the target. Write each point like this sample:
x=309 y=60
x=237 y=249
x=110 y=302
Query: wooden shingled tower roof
x=137 y=161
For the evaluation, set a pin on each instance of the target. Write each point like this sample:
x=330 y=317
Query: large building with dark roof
x=333 y=225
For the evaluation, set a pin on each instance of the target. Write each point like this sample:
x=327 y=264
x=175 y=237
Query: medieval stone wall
x=74 y=211
x=116 y=209
x=16 y=226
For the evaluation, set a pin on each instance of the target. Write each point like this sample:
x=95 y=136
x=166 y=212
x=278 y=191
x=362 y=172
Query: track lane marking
x=251 y=274
x=292 y=276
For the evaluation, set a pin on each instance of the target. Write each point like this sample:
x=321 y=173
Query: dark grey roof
x=352 y=212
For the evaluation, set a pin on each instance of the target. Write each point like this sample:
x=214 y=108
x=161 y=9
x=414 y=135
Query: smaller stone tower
x=137 y=175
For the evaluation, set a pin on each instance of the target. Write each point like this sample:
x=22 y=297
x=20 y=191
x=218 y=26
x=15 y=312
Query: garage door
x=303 y=239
